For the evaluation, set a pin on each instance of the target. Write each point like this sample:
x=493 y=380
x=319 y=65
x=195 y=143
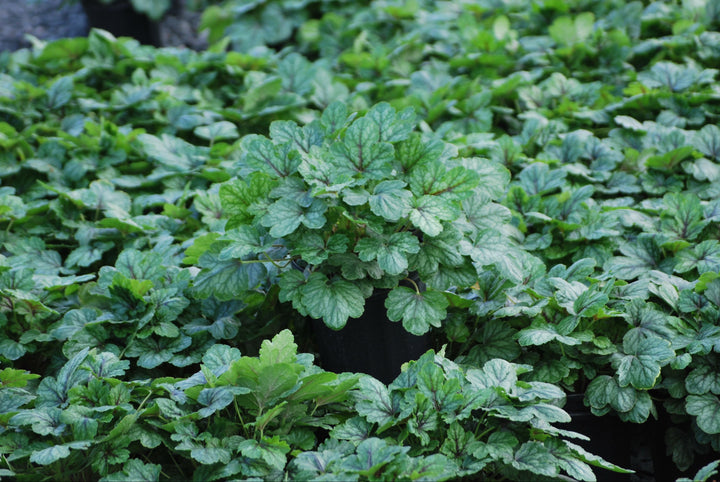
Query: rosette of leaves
x=442 y=421
x=344 y=206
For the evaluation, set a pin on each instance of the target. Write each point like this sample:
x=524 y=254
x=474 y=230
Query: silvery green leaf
x=285 y=216
x=643 y=359
x=52 y=454
x=496 y=373
x=535 y=458
x=705 y=256
x=333 y=301
x=135 y=470
x=226 y=279
x=375 y=402
x=427 y=213
x=707 y=141
x=538 y=179
x=335 y=117
x=390 y=252
x=418 y=311
x=392 y=126
x=540 y=333
x=304 y=137
x=361 y=151
x=372 y=455
x=222 y=130
x=172 y=152
x=707 y=410
x=703 y=379
x=389 y=200
x=276 y=160
x=214 y=399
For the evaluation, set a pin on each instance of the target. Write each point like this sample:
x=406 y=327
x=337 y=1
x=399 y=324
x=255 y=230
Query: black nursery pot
x=122 y=20
x=622 y=443
x=371 y=344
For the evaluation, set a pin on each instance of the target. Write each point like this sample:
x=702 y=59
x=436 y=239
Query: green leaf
x=285 y=216
x=496 y=340
x=60 y=92
x=437 y=180
x=390 y=200
x=333 y=301
x=273 y=451
x=707 y=410
x=418 y=311
x=135 y=470
x=372 y=455
x=390 y=252
x=240 y=196
x=668 y=161
x=14 y=378
x=227 y=279
x=56 y=452
x=214 y=399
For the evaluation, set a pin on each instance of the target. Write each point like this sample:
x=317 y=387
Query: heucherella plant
x=277 y=416
x=346 y=205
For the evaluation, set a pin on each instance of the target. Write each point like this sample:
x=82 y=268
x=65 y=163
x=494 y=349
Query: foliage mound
x=170 y=217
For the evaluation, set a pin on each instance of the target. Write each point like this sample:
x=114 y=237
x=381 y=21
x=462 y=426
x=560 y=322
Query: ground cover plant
x=549 y=170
